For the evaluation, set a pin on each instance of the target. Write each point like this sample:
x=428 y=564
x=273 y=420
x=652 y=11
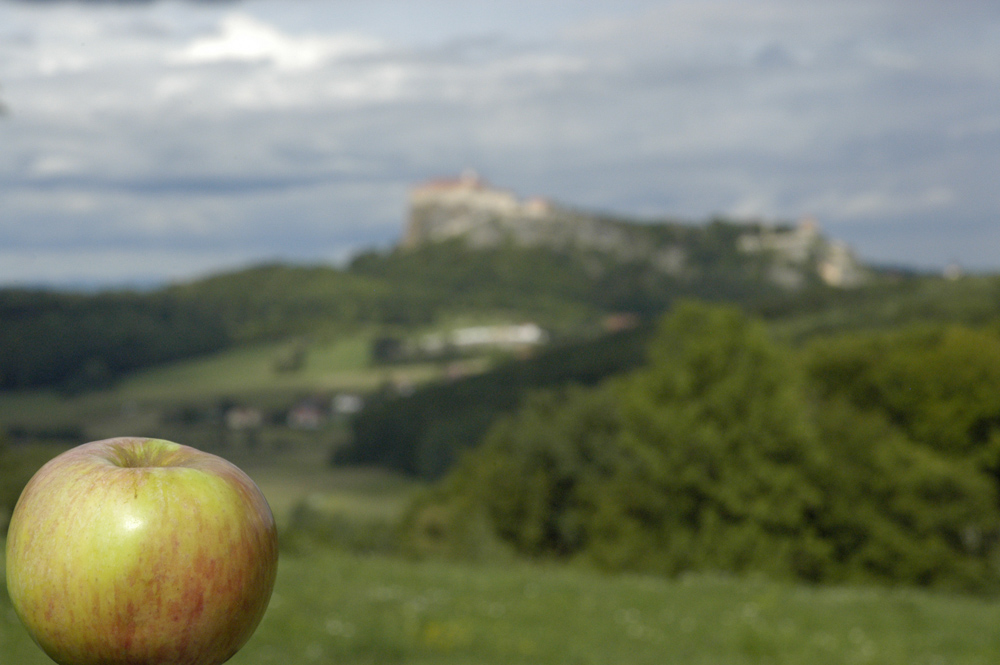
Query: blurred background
x=554 y=332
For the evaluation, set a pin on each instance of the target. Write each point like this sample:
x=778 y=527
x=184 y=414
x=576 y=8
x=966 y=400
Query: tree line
x=80 y=342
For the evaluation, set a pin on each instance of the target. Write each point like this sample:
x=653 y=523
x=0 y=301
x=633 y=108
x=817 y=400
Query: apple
x=134 y=551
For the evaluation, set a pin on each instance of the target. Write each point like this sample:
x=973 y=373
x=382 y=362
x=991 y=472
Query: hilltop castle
x=468 y=207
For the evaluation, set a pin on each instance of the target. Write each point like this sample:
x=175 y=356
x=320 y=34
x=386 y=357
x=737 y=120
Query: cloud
x=202 y=125
x=874 y=203
x=53 y=166
x=243 y=38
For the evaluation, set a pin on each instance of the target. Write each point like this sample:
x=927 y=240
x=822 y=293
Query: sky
x=146 y=142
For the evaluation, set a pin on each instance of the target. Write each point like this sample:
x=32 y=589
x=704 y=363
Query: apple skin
x=133 y=551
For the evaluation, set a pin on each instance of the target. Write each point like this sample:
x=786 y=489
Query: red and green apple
x=141 y=551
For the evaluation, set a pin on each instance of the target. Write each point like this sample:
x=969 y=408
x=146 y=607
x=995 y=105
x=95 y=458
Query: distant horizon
x=88 y=287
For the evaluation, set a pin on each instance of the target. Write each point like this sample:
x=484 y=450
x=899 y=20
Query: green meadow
x=160 y=401
x=332 y=608
x=337 y=364
x=338 y=603
x=335 y=607
x=339 y=600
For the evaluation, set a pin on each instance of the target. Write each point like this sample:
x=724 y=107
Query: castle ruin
x=468 y=207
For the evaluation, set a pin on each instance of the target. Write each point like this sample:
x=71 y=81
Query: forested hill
x=78 y=341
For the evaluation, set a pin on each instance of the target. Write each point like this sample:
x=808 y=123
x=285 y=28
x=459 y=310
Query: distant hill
x=470 y=252
x=484 y=216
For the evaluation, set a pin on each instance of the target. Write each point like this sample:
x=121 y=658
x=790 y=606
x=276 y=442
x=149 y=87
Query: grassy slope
x=304 y=474
x=338 y=608
x=245 y=374
x=341 y=363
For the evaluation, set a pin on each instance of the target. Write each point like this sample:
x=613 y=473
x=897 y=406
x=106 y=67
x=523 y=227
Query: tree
x=897 y=511
x=937 y=383
x=719 y=449
x=529 y=484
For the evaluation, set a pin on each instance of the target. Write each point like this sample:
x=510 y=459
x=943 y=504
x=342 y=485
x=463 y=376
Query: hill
x=470 y=253
x=422 y=433
x=574 y=270
x=484 y=216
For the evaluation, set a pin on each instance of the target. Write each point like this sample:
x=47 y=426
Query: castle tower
x=446 y=208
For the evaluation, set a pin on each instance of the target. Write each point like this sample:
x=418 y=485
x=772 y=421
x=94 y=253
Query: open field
x=339 y=608
x=340 y=364
x=305 y=476
x=334 y=606
x=251 y=371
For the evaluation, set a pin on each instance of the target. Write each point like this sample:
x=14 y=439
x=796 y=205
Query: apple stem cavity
x=145 y=454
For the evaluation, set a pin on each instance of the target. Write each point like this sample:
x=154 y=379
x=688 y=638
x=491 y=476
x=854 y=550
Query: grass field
x=342 y=364
x=332 y=606
x=338 y=365
x=337 y=608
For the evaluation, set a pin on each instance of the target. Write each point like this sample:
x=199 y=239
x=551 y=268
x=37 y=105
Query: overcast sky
x=155 y=141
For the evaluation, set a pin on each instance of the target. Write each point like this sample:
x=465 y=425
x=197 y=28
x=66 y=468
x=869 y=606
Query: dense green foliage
x=939 y=384
x=716 y=449
x=424 y=432
x=84 y=341
x=724 y=453
x=449 y=278
x=276 y=301
x=891 y=301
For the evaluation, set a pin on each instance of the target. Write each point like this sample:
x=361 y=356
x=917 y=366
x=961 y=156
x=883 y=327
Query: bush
x=530 y=482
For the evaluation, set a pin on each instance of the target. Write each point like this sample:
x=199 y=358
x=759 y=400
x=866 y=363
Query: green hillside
x=77 y=342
